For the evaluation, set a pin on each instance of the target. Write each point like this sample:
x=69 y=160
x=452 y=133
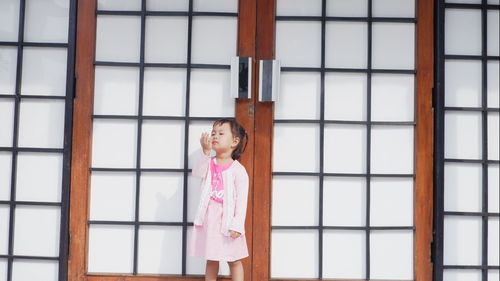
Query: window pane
x=8 y=57
x=44 y=71
x=493 y=188
x=299 y=140
x=299 y=261
x=493 y=275
x=462 y=275
x=493 y=83
x=347 y=8
x=3 y=268
x=161 y=197
x=120 y=5
x=171 y=5
x=393 y=45
x=46 y=21
x=160 y=249
x=493 y=139
x=194 y=193
x=345 y=149
x=493 y=32
x=215 y=6
x=298 y=8
x=462 y=187
x=345 y=96
x=164 y=92
x=344 y=254
x=196 y=128
x=210 y=96
x=115 y=32
x=112 y=189
x=114 y=143
x=463 y=83
x=298 y=43
x=214 y=39
x=162 y=144
x=166 y=39
x=194 y=265
x=462 y=32
x=9 y=20
x=392 y=150
x=4 y=230
x=295 y=200
x=111 y=248
x=41 y=123
x=344 y=202
x=462 y=135
x=5 y=174
x=39 y=177
x=346 y=45
x=462 y=240
x=394 y=8
x=493 y=238
x=393 y=97
x=37 y=231
x=299 y=96
x=391 y=255
x=116 y=90
x=391 y=202
x=6 y=121
x=26 y=270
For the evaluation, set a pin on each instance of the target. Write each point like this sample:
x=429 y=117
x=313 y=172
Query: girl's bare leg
x=236 y=268
x=211 y=270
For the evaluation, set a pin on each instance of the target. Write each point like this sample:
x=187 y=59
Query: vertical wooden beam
x=424 y=139
x=82 y=136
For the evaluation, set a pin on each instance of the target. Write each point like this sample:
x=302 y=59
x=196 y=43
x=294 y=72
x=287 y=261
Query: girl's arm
x=240 y=210
x=201 y=167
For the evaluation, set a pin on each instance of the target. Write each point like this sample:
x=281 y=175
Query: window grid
x=188 y=66
x=439 y=103
x=369 y=19
x=17 y=97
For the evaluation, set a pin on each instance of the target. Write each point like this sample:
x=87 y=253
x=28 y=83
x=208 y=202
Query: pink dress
x=207 y=241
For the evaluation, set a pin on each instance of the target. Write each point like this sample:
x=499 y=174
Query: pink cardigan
x=235 y=195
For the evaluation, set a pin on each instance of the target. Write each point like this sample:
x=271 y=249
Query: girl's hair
x=238 y=132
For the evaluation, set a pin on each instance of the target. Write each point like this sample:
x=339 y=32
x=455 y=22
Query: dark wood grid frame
x=256 y=38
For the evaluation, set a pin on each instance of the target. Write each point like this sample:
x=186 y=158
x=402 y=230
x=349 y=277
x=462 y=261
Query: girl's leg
x=211 y=270
x=236 y=268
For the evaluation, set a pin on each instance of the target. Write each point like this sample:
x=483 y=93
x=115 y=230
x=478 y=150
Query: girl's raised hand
x=206 y=143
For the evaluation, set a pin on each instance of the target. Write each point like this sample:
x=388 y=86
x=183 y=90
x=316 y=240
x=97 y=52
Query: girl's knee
x=234 y=263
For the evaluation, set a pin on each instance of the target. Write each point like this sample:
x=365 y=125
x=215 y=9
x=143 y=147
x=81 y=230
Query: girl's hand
x=234 y=234
x=206 y=143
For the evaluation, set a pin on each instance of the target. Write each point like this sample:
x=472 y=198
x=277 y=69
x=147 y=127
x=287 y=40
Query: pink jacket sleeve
x=201 y=167
x=241 y=192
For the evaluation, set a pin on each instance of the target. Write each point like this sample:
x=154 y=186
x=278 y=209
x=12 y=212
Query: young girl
x=219 y=224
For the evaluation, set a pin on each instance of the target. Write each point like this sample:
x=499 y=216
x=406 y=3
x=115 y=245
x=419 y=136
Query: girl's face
x=222 y=138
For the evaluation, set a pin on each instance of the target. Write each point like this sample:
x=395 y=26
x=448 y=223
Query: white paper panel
x=493 y=188
x=393 y=97
x=39 y=177
x=462 y=34
x=493 y=32
x=299 y=261
x=493 y=241
x=344 y=201
x=347 y=8
x=111 y=248
x=493 y=83
x=160 y=250
x=295 y=200
x=166 y=39
x=195 y=130
x=28 y=270
x=462 y=187
x=298 y=8
x=170 y=5
x=6 y=121
x=299 y=96
x=462 y=135
x=210 y=96
x=8 y=57
x=194 y=265
x=41 y=123
x=214 y=39
x=4 y=229
x=161 y=197
x=346 y=45
x=461 y=275
x=493 y=138
x=296 y=148
x=164 y=91
x=216 y=6
x=394 y=8
x=119 y=5
x=493 y=2
x=9 y=20
x=465 y=1
x=493 y=275
x=298 y=43
x=392 y=150
x=114 y=143
x=116 y=90
x=345 y=96
x=345 y=149
x=37 y=231
x=194 y=193
x=463 y=83
x=118 y=38
x=162 y=144
x=5 y=174
x=44 y=71
x=112 y=196
x=391 y=255
x=462 y=240
x=3 y=269
x=46 y=21
x=344 y=254
x=391 y=202
x=393 y=45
